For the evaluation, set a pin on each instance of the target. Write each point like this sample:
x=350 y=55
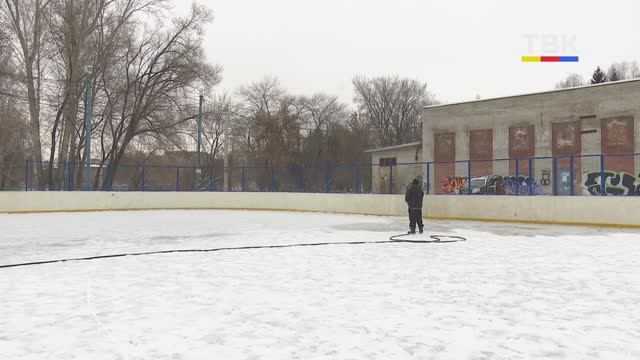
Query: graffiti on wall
x=616 y=183
x=452 y=184
x=520 y=186
x=494 y=184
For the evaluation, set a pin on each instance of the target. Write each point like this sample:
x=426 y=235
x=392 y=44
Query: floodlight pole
x=199 y=169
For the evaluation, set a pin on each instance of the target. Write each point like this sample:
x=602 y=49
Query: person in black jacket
x=413 y=197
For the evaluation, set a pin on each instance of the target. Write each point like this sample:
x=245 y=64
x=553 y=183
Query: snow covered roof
x=395 y=147
x=534 y=93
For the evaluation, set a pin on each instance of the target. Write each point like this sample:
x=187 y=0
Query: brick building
x=566 y=123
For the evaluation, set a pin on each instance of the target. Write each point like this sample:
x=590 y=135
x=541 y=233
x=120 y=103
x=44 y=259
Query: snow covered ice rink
x=509 y=292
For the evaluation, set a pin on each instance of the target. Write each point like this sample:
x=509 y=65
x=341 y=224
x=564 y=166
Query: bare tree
x=393 y=106
x=151 y=85
x=623 y=70
x=26 y=20
x=615 y=72
x=572 y=80
x=376 y=98
x=271 y=127
x=13 y=129
x=71 y=25
x=144 y=65
x=271 y=120
x=261 y=96
x=92 y=38
x=321 y=113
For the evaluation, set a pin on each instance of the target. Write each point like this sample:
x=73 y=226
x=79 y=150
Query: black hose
x=393 y=239
x=436 y=239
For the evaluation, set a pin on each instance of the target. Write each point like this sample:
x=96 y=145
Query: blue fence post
x=67 y=170
x=469 y=191
x=530 y=176
x=142 y=178
x=357 y=188
x=88 y=177
x=72 y=171
x=428 y=178
x=210 y=185
x=177 y=179
x=327 y=178
x=571 y=176
x=274 y=185
x=301 y=179
x=603 y=187
x=554 y=176
x=107 y=180
x=244 y=179
x=517 y=177
x=390 y=178
x=26 y=175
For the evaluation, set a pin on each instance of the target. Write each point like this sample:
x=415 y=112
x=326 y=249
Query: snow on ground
x=510 y=292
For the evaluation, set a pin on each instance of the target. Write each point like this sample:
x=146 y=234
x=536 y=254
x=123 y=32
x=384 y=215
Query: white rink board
x=588 y=210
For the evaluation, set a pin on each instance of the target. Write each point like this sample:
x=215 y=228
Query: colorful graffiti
x=495 y=184
x=453 y=184
x=615 y=183
x=521 y=186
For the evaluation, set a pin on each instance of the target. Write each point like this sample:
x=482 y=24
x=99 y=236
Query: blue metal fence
x=594 y=175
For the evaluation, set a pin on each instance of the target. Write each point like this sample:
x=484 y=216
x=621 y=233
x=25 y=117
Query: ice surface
x=510 y=292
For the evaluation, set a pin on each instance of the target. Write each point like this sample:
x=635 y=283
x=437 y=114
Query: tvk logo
x=551 y=48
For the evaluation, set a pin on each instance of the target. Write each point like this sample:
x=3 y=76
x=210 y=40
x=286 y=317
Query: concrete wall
x=587 y=104
x=612 y=211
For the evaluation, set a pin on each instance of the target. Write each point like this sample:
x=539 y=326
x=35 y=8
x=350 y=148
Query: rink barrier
x=564 y=210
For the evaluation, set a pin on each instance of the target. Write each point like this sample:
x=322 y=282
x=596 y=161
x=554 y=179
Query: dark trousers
x=415 y=217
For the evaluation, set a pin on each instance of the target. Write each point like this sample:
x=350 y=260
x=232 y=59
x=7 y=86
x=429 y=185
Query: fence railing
x=593 y=175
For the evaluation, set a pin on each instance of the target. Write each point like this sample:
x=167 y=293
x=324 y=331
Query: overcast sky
x=460 y=48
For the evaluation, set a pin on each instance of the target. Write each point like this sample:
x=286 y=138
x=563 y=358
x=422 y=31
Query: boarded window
x=618 y=138
x=566 y=138
x=445 y=169
x=445 y=147
x=521 y=146
x=617 y=135
x=481 y=152
x=567 y=141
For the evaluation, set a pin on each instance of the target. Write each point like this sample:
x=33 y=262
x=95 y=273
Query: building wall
x=402 y=174
x=548 y=209
x=606 y=117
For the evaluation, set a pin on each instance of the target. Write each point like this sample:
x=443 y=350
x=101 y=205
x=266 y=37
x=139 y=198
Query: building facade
x=395 y=167
x=517 y=136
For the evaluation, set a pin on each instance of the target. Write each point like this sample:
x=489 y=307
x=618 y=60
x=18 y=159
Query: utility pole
x=199 y=169
x=88 y=115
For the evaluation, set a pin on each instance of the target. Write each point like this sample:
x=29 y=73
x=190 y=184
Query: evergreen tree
x=598 y=76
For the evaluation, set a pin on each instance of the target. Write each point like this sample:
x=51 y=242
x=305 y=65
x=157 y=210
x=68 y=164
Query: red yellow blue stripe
x=550 y=58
